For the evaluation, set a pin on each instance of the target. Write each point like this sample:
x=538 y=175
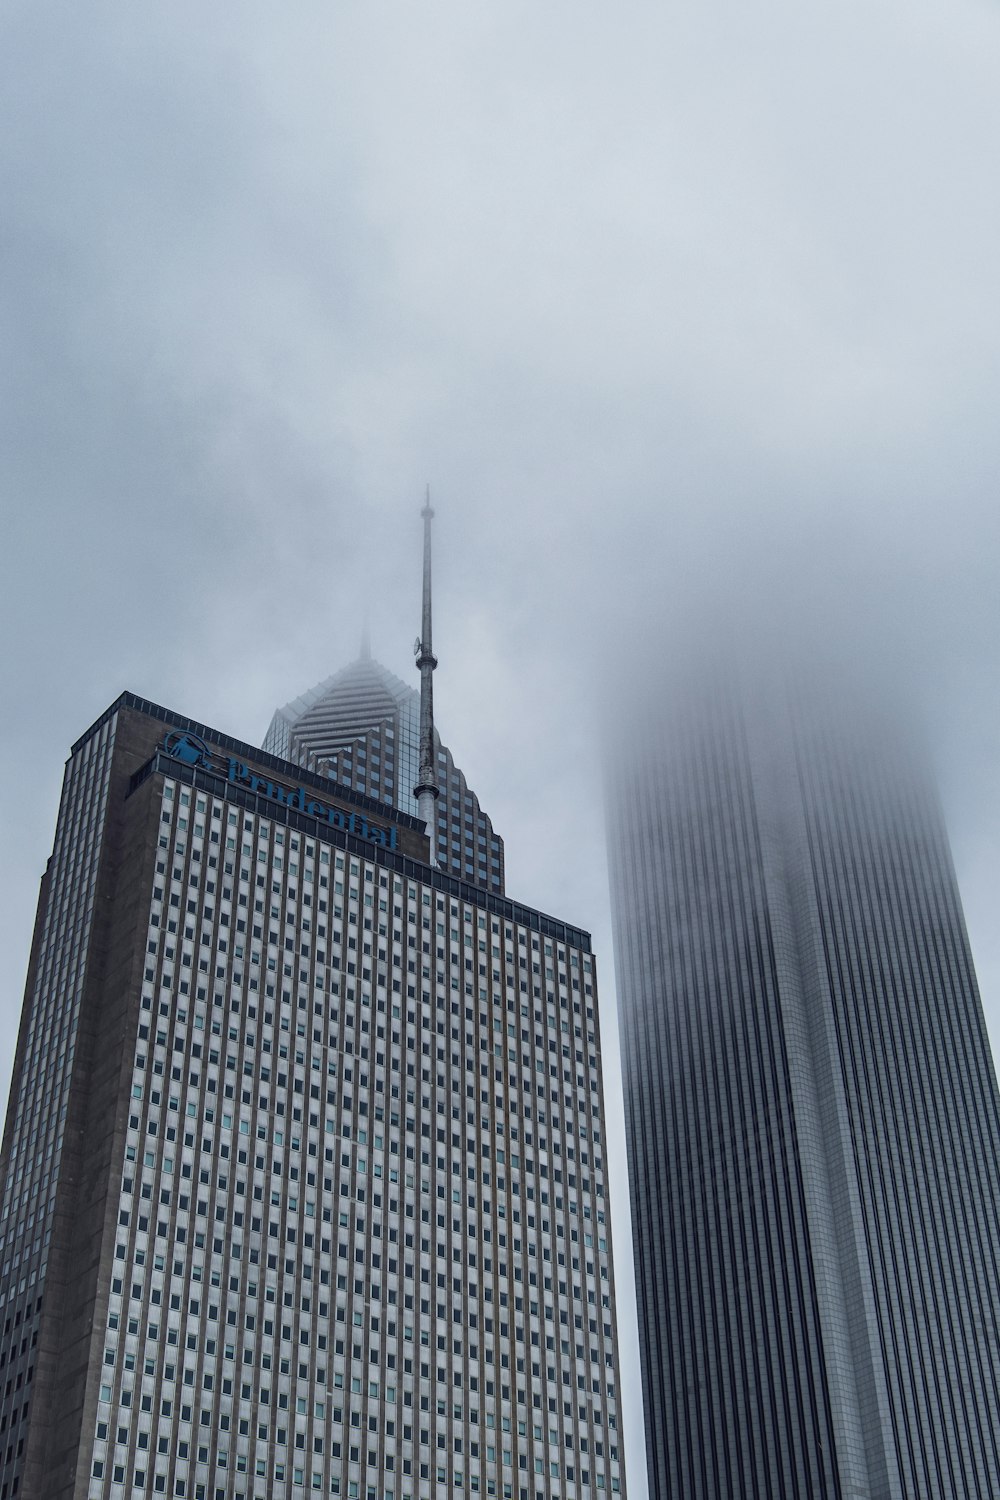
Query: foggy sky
x=674 y=306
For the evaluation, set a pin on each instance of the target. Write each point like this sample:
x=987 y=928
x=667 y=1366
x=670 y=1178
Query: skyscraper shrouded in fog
x=367 y=729
x=361 y=727
x=304 y=1176
x=811 y=1110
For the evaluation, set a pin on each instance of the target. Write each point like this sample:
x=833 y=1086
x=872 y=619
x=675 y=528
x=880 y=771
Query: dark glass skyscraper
x=811 y=1108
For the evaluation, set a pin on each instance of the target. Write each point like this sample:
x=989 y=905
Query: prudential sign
x=191 y=750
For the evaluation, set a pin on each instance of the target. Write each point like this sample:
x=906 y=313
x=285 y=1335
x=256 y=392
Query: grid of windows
x=355 y=1240
x=813 y=1119
x=362 y=728
x=363 y=1229
x=33 y=1140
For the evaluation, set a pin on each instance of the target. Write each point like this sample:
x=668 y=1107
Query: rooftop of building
x=438 y=879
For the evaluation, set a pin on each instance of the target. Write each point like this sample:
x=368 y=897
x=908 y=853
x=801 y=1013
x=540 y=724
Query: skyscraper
x=304 y=1171
x=304 y=1176
x=811 y=1110
x=368 y=728
x=361 y=727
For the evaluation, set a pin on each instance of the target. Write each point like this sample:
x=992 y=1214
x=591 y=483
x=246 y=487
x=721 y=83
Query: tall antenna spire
x=426 y=790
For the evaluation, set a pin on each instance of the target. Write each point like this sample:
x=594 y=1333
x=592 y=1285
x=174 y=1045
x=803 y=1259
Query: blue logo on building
x=191 y=749
x=188 y=747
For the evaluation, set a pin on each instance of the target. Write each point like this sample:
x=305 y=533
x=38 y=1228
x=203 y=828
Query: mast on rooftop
x=426 y=790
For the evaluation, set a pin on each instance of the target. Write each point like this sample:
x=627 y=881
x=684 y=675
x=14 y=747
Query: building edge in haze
x=811 y=1107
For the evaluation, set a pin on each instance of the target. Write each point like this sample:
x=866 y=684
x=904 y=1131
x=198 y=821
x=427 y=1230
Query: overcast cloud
x=670 y=303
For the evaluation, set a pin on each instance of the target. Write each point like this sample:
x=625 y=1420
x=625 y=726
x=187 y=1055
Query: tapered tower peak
x=368 y=729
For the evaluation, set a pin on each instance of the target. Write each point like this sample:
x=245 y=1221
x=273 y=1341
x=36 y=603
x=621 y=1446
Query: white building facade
x=325 y=1207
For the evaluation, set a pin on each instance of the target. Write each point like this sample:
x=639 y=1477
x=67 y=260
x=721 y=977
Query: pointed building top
x=365 y=653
